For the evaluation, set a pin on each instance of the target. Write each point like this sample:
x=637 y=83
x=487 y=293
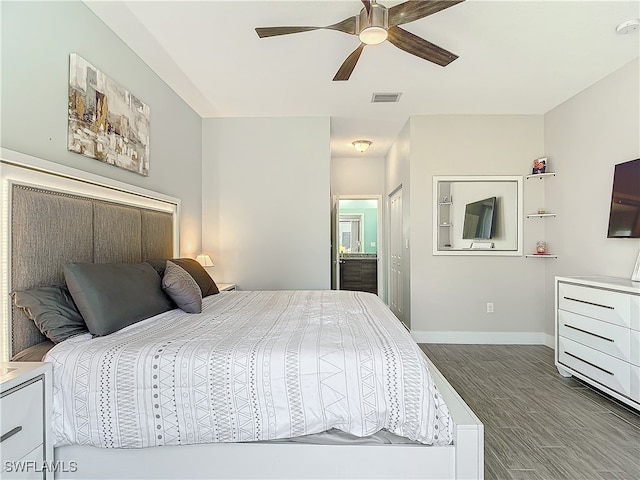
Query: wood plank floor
x=539 y=425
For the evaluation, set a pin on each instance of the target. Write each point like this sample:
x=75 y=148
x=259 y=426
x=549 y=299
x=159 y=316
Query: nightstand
x=25 y=423
x=226 y=287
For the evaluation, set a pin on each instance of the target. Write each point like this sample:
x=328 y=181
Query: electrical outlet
x=489 y=307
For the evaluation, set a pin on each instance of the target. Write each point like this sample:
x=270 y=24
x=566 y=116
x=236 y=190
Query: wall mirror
x=477 y=215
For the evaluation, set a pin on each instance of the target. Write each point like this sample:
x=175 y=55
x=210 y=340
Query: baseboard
x=495 y=338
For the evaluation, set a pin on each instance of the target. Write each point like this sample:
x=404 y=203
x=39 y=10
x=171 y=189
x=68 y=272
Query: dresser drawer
x=22 y=414
x=634 y=347
x=635 y=383
x=596 y=303
x=605 y=337
x=604 y=369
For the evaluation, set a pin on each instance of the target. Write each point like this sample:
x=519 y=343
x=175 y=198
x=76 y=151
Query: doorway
x=356 y=233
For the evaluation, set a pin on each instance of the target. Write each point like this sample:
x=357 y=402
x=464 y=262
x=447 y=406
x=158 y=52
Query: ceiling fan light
x=361 y=145
x=373 y=35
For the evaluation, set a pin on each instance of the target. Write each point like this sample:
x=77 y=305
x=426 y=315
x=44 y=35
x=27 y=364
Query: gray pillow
x=182 y=288
x=197 y=271
x=35 y=353
x=52 y=310
x=111 y=296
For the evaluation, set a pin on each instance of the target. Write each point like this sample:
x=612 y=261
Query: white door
x=395 y=250
x=335 y=242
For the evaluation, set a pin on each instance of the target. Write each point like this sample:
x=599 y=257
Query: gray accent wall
x=449 y=293
x=37 y=38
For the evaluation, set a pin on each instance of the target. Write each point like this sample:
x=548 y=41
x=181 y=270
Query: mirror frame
x=517 y=179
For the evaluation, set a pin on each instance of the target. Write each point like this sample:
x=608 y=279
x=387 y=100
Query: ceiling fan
x=376 y=23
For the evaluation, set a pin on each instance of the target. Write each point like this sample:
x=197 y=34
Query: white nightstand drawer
x=611 y=339
x=604 y=369
x=28 y=467
x=612 y=307
x=21 y=423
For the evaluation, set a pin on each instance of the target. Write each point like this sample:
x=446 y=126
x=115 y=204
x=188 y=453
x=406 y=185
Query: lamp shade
x=204 y=260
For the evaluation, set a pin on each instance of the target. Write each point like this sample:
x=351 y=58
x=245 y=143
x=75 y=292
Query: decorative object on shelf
x=361 y=145
x=636 y=271
x=541 y=248
x=446 y=199
x=106 y=122
x=541 y=211
x=539 y=166
x=204 y=260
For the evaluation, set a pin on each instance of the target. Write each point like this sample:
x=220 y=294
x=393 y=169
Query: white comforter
x=252 y=366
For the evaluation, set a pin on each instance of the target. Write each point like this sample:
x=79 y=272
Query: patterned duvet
x=252 y=366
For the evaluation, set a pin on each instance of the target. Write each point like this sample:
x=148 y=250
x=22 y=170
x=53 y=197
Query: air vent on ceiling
x=385 y=97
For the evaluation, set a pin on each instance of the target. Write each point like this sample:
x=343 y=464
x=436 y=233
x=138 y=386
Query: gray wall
x=397 y=175
x=584 y=138
x=37 y=38
x=266 y=198
x=449 y=293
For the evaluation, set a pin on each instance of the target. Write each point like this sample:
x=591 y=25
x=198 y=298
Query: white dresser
x=26 y=450
x=598 y=334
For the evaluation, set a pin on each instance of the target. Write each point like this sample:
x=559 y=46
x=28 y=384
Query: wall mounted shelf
x=545 y=255
x=541 y=215
x=541 y=175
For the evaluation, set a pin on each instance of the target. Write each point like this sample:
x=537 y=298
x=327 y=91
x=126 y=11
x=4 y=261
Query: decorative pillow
x=52 y=310
x=35 y=353
x=197 y=271
x=182 y=288
x=111 y=296
x=158 y=264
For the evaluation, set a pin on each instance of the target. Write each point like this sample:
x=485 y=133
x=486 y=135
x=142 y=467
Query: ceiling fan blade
x=367 y=5
x=348 y=25
x=419 y=47
x=345 y=70
x=264 y=32
x=416 y=9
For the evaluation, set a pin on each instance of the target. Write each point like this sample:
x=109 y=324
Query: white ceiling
x=515 y=57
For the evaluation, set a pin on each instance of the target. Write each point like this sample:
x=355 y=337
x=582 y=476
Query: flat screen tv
x=479 y=219
x=624 y=216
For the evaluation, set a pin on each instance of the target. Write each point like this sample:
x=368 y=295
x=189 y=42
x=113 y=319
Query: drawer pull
x=589 y=363
x=590 y=333
x=10 y=433
x=589 y=303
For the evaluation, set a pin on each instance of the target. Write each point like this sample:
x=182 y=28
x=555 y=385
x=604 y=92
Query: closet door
x=395 y=247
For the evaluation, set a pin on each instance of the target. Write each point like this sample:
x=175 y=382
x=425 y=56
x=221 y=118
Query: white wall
x=37 y=38
x=266 y=194
x=584 y=138
x=449 y=293
x=360 y=175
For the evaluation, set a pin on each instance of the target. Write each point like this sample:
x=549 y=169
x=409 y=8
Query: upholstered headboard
x=80 y=222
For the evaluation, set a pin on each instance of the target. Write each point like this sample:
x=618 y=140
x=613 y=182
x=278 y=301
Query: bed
x=130 y=225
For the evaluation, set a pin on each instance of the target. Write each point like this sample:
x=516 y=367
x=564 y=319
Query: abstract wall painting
x=106 y=122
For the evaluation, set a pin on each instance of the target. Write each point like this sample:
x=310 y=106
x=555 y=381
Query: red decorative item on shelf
x=541 y=248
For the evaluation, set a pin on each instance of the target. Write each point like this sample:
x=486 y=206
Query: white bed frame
x=464 y=459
